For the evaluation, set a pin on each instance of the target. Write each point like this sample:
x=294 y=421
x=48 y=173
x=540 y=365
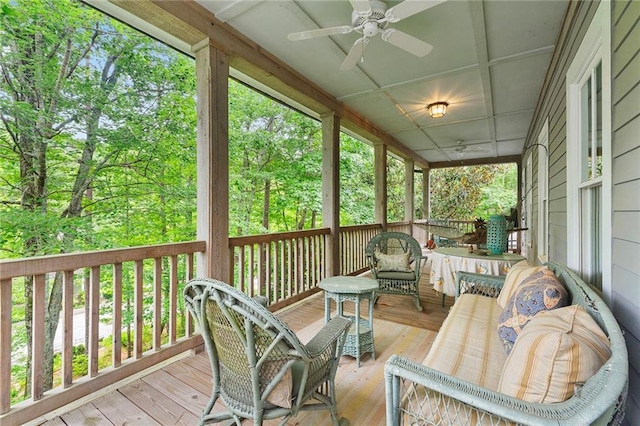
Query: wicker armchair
x=260 y=369
x=396 y=280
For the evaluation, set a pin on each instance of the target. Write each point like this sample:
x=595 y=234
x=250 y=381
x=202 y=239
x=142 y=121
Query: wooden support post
x=212 y=74
x=426 y=194
x=409 y=189
x=380 y=164
x=331 y=190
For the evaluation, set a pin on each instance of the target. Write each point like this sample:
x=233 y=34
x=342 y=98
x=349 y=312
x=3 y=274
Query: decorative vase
x=497 y=234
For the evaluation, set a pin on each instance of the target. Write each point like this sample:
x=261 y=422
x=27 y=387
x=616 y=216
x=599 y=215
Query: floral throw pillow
x=537 y=294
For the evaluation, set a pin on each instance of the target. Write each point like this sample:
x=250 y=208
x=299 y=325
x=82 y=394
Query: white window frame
x=594 y=48
x=543 y=193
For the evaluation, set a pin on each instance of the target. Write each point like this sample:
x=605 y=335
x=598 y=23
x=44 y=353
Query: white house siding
x=625 y=36
x=625 y=72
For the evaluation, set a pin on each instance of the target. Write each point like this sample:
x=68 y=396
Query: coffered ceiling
x=488 y=62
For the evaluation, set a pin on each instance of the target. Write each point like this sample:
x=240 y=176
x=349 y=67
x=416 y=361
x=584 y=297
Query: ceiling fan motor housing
x=371 y=23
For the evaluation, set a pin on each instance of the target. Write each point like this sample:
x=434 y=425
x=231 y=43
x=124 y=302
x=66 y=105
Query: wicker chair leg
x=416 y=301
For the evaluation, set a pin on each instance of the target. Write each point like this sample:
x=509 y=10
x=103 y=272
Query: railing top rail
x=11 y=268
x=276 y=236
x=399 y=223
x=352 y=228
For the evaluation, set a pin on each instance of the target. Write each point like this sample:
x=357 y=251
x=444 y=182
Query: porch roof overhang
x=488 y=61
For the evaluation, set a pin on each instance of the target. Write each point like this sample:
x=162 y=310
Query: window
x=589 y=154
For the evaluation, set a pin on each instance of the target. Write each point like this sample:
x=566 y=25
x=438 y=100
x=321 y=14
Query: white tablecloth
x=446 y=261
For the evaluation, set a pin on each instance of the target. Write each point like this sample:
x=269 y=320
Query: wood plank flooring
x=177 y=393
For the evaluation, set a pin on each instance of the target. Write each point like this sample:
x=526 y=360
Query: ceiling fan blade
x=303 y=35
x=407 y=42
x=408 y=8
x=356 y=52
x=361 y=6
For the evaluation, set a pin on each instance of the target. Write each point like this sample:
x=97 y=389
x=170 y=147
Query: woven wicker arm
x=260 y=368
x=471 y=283
x=401 y=283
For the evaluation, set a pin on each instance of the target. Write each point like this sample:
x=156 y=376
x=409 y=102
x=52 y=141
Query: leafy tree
x=357 y=182
x=274 y=164
x=86 y=104
x=395 y=189
x=457 y=193
x=499 y=196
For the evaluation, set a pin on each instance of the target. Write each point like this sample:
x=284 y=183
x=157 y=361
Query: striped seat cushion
x=467 y=345
x=557 y=352
x=468 y=348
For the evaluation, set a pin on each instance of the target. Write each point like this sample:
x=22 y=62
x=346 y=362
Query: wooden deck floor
x=177 y=392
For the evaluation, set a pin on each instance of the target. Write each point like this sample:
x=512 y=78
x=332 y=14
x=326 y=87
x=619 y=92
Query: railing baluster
x=173 y=299
x=157 y=303
x=5 y=344
x=94 y=319
x=249 y=289
x=138 y=271
x=290 y=266
x=37 y=345
x=189 y=327
x=241 y=269
x=116 y=315
x=269 y=292
x=276 y=270
x=67 y=336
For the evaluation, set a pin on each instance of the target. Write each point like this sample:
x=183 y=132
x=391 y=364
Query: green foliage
x=80 y=363
x=464 y=193
x=395 y=189
x=500 y=195
x=357 y=182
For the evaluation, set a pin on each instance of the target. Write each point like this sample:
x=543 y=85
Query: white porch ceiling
x=488 y=62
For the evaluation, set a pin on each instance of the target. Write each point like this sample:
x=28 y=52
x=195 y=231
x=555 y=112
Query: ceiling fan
x=371 y=17
x=460 y=149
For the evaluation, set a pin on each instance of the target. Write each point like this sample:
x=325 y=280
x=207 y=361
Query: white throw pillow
x=394 y=262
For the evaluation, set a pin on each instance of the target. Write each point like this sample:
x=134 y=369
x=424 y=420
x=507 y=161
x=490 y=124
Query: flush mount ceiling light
x=437 y=109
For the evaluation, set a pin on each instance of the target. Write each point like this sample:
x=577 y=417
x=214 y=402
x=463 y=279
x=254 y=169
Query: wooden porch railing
x=154 y=276
x=353 y=241
x=285 y=267
x=288 y=266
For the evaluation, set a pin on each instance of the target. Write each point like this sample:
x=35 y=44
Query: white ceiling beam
x=480 y=37
x=461 y=70
x=236 y=8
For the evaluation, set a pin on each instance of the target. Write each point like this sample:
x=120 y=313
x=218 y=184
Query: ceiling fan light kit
x=370 y=18
x=437 y=109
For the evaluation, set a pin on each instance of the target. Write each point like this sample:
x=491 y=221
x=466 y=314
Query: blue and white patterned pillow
x=537 y=294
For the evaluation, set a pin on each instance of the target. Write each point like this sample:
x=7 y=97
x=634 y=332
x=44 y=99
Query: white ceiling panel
x=379 y=109
x=470 y=131
x=512 y=147
x=513 y=126
x=535 y=23
x=415 y=140
x=516 y=84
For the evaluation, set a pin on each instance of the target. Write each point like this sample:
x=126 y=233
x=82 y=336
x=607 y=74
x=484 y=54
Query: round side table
x=352 y=289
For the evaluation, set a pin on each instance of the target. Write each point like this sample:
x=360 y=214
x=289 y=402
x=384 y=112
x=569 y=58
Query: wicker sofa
x=423 y=394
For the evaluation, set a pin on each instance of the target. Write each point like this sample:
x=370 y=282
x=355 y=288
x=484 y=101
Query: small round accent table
x=352 y=289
